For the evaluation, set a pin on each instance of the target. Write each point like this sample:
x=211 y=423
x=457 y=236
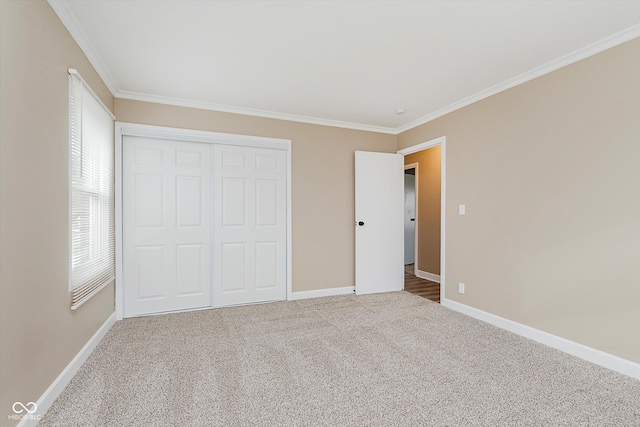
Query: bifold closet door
x=249 y=225
x=167 y=225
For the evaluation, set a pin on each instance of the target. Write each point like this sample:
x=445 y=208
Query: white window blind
x=92 y=222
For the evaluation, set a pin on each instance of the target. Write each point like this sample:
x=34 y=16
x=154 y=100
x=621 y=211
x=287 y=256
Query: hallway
x=424 y=288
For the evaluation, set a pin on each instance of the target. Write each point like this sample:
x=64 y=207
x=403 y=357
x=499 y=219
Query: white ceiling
x=347 y=63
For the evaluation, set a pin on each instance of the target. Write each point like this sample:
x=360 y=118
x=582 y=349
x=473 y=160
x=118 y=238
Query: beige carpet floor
x=380 y=360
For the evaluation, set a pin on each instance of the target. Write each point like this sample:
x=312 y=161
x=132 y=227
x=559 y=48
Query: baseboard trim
x=58 y=385
x=589 y=354
x=322 y=293
x=428 y=276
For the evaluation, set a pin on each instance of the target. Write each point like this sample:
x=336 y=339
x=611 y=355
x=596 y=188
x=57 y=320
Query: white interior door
x=409 y=218
x=167 y=225
x=250 y=225
x=379 y=222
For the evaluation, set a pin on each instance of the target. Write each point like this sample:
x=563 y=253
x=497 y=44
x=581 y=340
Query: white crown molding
x=69 y=21
x=568 y=59
x=135 y=96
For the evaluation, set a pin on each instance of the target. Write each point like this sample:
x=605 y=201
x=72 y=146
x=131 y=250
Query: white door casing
x=442 y=141
x=379 y=207
x=250 y=259
x=167 y=225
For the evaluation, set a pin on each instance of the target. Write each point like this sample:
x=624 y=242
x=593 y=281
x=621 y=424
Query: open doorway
x=422 y=232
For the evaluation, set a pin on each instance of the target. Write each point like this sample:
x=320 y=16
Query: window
x=92 y=225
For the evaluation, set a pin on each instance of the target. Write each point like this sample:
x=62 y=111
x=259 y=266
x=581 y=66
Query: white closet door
x=249 y=225
x=167 y=225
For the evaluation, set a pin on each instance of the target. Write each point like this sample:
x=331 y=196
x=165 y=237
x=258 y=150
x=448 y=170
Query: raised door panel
x=149 y=200
x=267 y=202
x=266 y=161
x=150 y=269
x=233 y=267
x=188 y=158
x=189 y=270
x=234 y=206
x=267 y=265
x=231 y=159
x=146 y=155
x=189 y=201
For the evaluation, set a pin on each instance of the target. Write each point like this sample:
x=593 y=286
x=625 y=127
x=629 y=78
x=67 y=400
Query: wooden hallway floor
x=424 y=288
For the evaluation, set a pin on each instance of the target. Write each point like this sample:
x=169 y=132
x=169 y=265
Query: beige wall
x=322 y=181
x=550 y=175
x=40 y=334
x=428 y=219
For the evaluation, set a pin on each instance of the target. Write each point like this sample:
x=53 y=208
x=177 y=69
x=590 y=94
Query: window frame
x=91 y=252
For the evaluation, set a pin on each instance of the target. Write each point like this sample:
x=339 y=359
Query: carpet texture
x=390 y=359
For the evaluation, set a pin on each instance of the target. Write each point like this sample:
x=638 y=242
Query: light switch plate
x=461 y=288
x=461 y=209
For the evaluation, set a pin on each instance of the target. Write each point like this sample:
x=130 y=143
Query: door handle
x=413 y=219
x=360 y=223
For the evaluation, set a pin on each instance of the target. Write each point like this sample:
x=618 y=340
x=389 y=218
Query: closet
x=204 y=224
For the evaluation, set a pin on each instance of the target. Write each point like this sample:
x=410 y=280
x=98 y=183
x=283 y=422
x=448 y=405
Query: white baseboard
x=428 y=276
x=592 y=355
x=54 y=390
x=322 y=293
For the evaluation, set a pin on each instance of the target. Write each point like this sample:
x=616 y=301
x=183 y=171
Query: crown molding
x=69 y=21
x=144 y=97
x=568 y=59
x=74 y=28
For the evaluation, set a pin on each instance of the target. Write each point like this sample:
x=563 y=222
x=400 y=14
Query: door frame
x=123 y=129
x=442 y=142
x=415 y=225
